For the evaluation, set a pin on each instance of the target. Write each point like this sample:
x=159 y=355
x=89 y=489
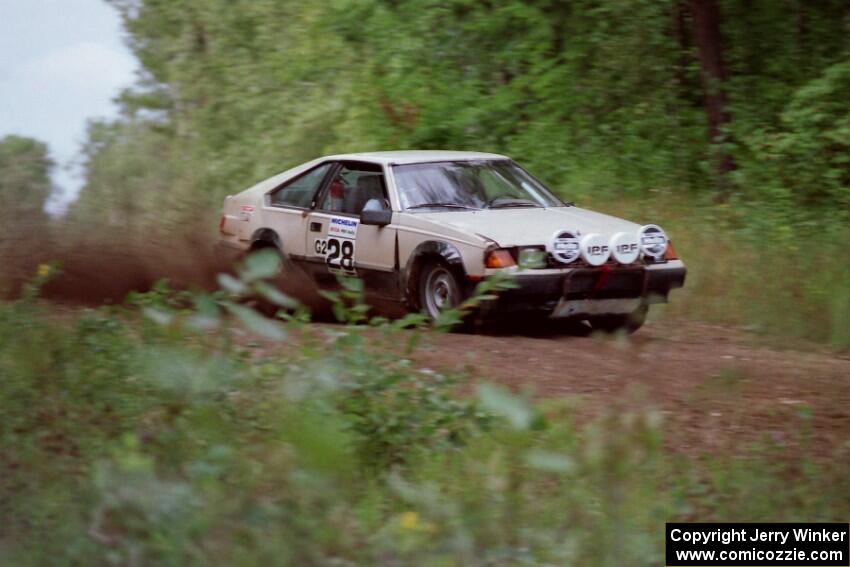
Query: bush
x=801 y=168
x=145 y=435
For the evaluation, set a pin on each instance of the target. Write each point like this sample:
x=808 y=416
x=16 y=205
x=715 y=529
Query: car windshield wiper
x=517 y=203
x=443 y=205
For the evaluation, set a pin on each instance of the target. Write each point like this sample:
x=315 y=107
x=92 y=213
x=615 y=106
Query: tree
x=24 y=189
x=24 y=177
x=598 y=98
x=709 y=41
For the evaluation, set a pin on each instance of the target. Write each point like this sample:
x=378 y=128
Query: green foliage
x=551 y=84
x=783 y=280
x=25 y=182
x=807 y=158
x=24 y=190
x=120 y=449
x=394 y=409
x=596 y=98
x=131 y=177
x=130 y=440
x=188 y=429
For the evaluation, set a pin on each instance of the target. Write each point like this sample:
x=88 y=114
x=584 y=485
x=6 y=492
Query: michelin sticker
x=344 y=227
x=338 y=247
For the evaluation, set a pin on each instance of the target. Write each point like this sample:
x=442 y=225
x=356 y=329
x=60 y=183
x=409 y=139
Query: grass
x=762 y=273
x=144 y=436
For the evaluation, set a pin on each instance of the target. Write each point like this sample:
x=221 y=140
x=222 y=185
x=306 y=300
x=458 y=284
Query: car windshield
x=465 y=185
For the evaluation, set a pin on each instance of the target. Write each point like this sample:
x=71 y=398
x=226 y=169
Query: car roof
x=415 y=156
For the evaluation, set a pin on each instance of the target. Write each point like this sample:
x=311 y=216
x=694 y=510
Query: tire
x=438 y=290
x=628 y=323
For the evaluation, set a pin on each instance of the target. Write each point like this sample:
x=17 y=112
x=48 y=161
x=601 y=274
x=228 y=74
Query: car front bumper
x=591 y=291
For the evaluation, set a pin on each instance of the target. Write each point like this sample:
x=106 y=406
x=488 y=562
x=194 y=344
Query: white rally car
x=422 y=228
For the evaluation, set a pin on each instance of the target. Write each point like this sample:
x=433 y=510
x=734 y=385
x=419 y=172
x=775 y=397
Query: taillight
x=670 y=253
x=499 y=259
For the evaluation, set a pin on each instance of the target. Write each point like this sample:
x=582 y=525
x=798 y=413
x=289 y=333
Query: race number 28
x=338 y=253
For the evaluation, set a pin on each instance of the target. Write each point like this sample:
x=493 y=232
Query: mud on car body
x=421 y=228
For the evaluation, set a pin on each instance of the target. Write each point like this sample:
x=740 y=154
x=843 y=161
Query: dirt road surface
x=718 y=389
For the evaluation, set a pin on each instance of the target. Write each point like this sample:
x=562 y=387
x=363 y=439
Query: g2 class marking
x=338 y=253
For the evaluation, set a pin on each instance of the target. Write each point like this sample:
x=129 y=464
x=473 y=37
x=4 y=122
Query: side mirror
x=376 y=217
x=376 y=213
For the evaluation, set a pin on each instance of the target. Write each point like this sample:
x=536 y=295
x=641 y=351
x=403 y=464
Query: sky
x=61 y=63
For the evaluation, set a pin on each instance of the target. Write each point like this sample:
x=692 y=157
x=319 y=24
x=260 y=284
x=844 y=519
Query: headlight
x=653 y=241
x=532 y=258
x=564 y=247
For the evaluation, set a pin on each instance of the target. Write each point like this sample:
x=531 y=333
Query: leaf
x=255 y=322
x=410 y=320
x=447 y=319
x=157 y=316
x=339 y=311
x=504 y=404
x=331 y=296
x=260 y=265
x=274 y=295
x=353 y=285
x=232 y=285
x=205 y=305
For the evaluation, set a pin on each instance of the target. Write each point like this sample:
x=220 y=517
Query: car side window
x=354 y=185
x=300 y=191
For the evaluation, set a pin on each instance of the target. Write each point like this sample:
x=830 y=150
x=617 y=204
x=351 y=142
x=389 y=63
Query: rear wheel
x=439 y=290
x=629 y=322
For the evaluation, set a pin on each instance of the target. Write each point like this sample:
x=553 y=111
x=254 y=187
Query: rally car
x=422 y=228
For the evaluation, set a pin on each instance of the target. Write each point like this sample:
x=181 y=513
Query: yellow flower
x=408 y=520
x=43 y=270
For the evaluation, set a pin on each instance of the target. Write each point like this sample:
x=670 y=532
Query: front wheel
x=439 y=290
x=628 y=323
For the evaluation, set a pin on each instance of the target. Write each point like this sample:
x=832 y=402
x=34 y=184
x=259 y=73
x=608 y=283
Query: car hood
x=529 y=226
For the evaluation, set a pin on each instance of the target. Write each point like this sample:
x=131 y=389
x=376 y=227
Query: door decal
x=338 y=247
x=344 y=227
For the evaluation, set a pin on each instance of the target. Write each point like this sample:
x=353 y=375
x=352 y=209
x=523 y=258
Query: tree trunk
x=706 y=14
x=802 y=39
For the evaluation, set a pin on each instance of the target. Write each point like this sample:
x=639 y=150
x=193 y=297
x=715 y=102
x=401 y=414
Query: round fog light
x=564 y=247
x=625 y=247
x=653 y=241
x=595 y=249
